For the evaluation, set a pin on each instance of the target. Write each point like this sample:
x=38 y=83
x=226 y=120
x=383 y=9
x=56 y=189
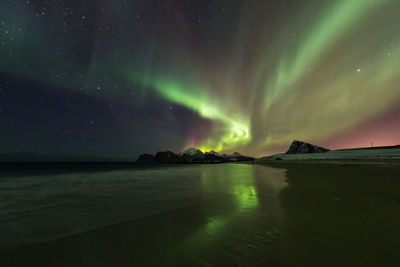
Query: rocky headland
x=299 y=150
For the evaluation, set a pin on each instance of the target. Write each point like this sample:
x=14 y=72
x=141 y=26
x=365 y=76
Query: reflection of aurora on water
x=243 y=193
x=250 y=189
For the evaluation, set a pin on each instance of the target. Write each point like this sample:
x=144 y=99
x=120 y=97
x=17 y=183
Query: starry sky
x=118 y=78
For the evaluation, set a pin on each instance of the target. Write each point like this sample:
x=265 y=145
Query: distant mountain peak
x=192 y=151
x=300 y=147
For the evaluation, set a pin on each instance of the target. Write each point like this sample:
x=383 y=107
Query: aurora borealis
x=120 y=78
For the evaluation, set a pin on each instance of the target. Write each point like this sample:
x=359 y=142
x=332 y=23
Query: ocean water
x=237 y=204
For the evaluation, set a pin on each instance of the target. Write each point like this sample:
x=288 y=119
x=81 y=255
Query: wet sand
x=341 y=214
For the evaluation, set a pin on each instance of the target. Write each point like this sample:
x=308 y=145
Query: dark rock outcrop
x=213 y=156
x=145 y=158
x=167 y=157
x=236 y=156
x=212 y=152
x=299 y=147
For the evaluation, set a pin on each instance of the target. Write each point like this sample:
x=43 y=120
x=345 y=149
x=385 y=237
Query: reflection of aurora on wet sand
x=244 y=194
x=234 y=193
x=246 y=199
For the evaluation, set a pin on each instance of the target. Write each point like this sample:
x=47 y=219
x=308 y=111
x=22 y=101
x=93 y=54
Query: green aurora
x=254 y=75
x=303 y=81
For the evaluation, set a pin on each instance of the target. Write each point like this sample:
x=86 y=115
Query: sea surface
x=35 y=208
x=202 y=215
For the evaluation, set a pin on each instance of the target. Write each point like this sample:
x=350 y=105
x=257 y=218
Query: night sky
x=120 y=78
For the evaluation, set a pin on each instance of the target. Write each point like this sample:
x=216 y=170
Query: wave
x=100 y=226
